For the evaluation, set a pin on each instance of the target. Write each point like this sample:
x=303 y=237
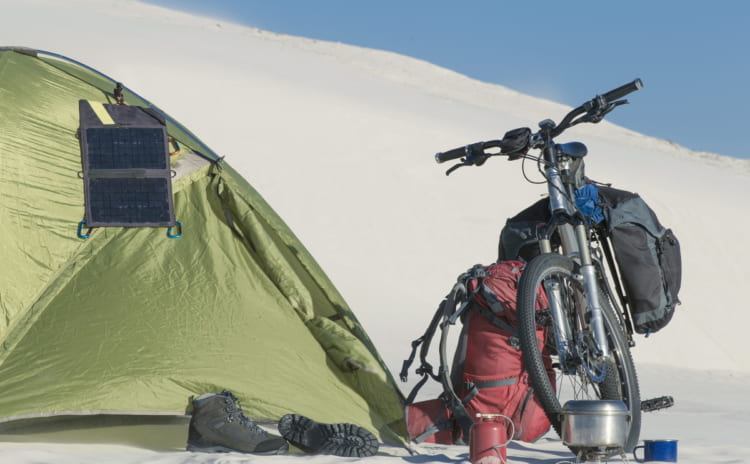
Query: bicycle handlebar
x=621 y=91
x=467 y=150
x=451 y=154
x=595 y=110
x=597 y=107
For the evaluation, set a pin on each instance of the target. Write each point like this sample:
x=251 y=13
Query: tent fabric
x=132 y=322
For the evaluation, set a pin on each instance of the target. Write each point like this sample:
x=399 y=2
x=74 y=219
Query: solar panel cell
x=129 y=201
x=126 y=148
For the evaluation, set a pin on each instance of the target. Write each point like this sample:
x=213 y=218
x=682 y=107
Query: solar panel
x=129 y=201
x=126 y=173
x=126 y=148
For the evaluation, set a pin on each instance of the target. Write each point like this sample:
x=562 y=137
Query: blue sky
x=693 y=57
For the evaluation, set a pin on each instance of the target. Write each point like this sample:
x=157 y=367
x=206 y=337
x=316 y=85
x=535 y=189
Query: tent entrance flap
x=126 y=170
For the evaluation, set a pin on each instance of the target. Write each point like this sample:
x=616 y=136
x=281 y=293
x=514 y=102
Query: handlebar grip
x=452 y=154
x=621 y=91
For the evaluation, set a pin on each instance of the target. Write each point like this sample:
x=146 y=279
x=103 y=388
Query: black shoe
x=218 y=425
x=337 y=439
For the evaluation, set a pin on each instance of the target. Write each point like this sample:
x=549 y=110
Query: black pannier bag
x=647 y=254
x=648 y=257
x=518 y=238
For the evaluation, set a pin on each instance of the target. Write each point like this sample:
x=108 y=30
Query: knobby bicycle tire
x=619 y=381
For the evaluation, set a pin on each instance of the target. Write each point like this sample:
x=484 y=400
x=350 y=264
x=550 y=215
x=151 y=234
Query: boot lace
x=236 y=415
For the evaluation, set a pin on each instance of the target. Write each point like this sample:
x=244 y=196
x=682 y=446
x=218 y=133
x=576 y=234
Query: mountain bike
x=588 y=335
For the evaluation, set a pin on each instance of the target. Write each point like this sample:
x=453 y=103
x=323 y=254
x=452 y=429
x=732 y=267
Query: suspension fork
x=591 y=284
x=573 y=244
x=563 y=340
x=589 y=279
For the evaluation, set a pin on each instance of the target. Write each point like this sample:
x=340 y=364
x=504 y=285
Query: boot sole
x=347 y=440
x=210 y=449
x=197 y=447
x=223 y=449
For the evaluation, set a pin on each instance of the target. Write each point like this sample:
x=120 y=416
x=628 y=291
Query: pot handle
x=644 y=453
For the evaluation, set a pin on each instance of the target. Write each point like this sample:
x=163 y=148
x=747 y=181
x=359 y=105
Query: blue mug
x=657 y=450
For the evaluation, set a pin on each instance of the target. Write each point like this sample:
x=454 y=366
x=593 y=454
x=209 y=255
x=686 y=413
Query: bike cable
x=523 y=169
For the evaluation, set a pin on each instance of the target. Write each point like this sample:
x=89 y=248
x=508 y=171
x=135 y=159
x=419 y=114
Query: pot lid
x=598 y=407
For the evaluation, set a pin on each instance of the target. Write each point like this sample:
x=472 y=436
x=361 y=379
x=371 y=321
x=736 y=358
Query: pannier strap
x=473 y=387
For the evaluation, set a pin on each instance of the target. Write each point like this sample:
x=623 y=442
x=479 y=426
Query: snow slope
x=340 y=141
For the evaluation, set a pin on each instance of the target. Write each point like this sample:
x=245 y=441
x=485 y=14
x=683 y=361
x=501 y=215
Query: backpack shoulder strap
x=448 y=312
x=425 y=369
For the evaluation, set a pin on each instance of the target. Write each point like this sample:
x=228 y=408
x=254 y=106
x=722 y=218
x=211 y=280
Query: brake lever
x=599 y=115
x=617 y=103
x=597 y=109
x=454 y=167
x=475 y=156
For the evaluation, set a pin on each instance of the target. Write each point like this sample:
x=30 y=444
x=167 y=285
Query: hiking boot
x=218 y=425
x=346 y=440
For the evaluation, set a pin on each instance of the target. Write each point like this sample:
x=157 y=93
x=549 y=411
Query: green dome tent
x=129 y=322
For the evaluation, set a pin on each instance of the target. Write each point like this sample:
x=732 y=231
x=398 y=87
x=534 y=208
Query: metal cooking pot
x=595 y=423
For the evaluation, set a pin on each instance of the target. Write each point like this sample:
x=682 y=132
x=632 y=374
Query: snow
x=340 y=141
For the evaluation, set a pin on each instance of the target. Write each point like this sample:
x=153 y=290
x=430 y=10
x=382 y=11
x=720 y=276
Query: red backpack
x=487 y=374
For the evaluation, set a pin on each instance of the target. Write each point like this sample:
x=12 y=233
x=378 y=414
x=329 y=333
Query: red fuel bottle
x=488 y=438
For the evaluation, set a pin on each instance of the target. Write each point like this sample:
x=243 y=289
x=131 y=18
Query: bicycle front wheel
x=581 y=373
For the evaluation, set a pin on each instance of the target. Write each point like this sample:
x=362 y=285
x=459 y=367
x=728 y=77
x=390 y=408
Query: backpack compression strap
x=474 y=387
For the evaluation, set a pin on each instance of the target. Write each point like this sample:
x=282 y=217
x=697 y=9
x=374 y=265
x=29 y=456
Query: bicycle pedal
x=654 y=404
